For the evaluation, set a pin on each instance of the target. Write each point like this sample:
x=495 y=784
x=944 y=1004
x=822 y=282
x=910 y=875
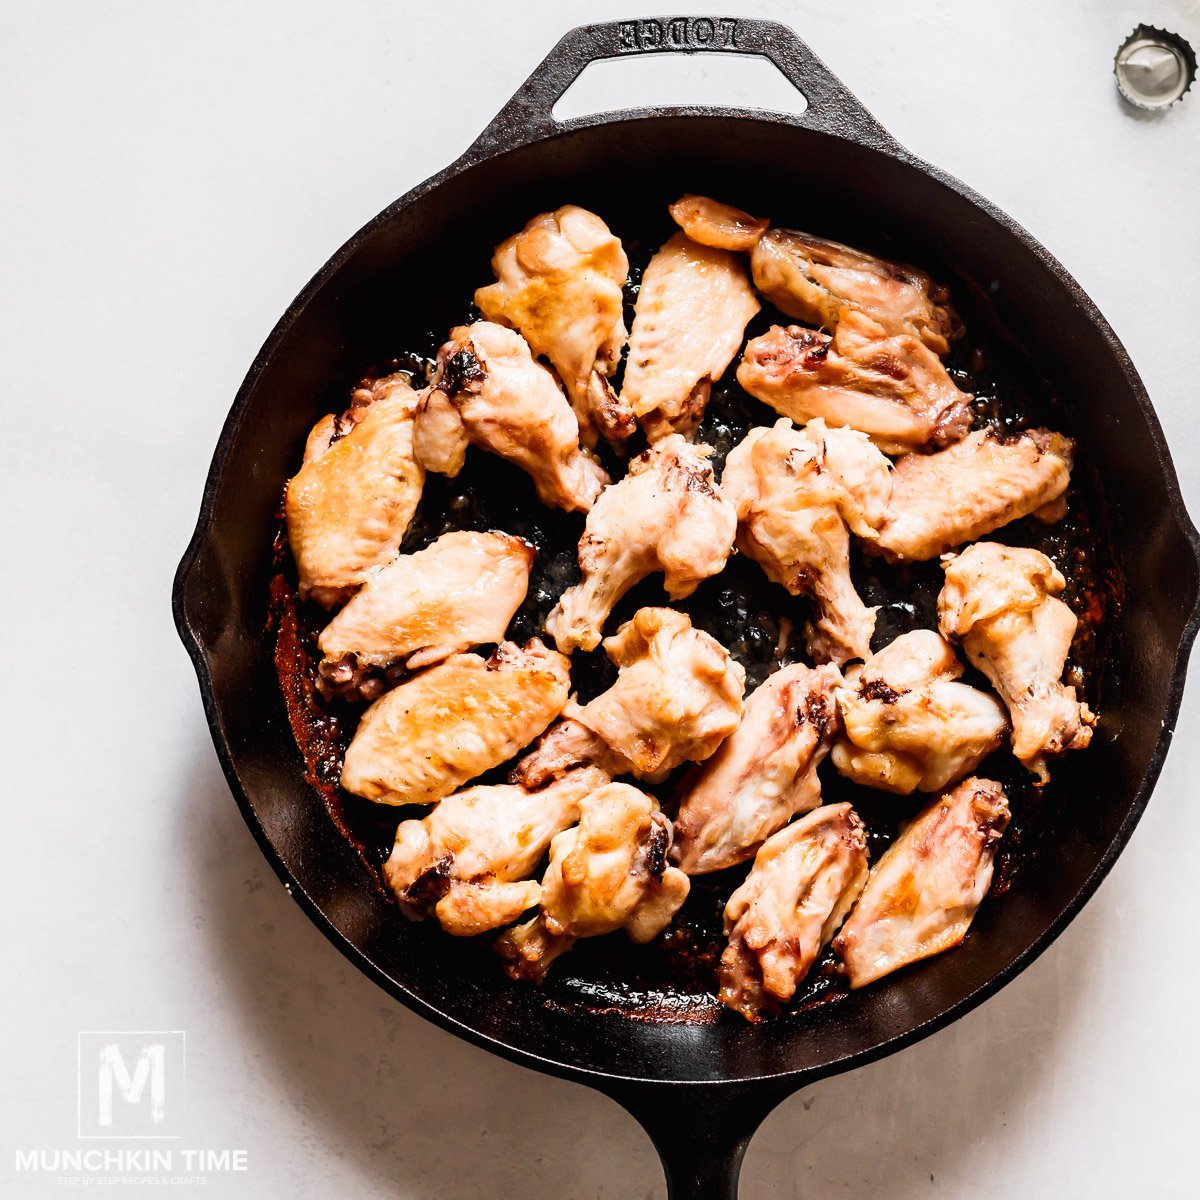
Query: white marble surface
x=172 y=175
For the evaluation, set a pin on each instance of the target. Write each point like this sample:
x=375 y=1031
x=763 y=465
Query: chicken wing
x=427 y=737
x=692 y=310
x=962 y=493
x=762 y=775
x=352 y=500
x=924 y=892
x=710 y=223
x=678 y=695
x=488 y=391
x=610 y=872
x=795 y=492
x=818 y=281
x=885 y=382
x=1002 y=603
x=469 y=860
x=803 y=882
x=559 y=284
x=908 y=725
x=460 y=591
x=665 y=515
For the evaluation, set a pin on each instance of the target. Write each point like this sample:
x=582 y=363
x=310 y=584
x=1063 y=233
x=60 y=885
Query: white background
x=172 y=175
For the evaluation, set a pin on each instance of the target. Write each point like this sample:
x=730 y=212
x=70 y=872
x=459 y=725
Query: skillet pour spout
x=699 y=1089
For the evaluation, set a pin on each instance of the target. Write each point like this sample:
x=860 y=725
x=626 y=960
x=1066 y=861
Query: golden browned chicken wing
x=908 y=724
x=942 y=500
x=559 y=284
x=817 y=281
x=691 y=314
x=709 y=223
x=488 y=391
x=796 y=491
x=424 y=739
x=469 y=860
x=349 y=505
x=803 y=882
x=882 y=381
x=924 y=892
x=610 y=872
x=460 y=591
x=666 y=515
x=763 y=775
x=1002 y=604
x=678 y=695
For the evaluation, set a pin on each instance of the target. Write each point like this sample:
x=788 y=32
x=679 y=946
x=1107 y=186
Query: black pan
x=700 y=1090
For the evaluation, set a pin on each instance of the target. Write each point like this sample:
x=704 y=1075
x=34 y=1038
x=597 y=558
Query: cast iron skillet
x=700 y=1090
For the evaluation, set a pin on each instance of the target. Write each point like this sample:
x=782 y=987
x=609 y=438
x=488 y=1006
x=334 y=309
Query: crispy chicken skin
x=460 y=591
x=469 y=859
x=351 y=502
x=678 y=695
x=489 y=392
x=797 y=492
x=803 y=882
x=923 y=893
x=942 y=500
x=1002 y=604
x=691 y=314
x=908 y=724
x=883 y=381
x=817 y=281
x=710 y=223
x=610 y=872
x=424 y=739
x=666 y=515
x=764 y=774
x=559 y=284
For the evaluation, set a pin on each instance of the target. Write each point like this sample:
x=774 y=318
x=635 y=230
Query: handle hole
x=723 y=80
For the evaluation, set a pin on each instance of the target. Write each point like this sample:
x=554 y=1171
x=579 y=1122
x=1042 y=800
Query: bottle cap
x=1154 y=68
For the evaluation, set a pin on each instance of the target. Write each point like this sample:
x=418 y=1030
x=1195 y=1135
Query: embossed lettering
x=703 y=31
x=679 y=33
x=627 y=35
x=728 y=28
x=652 y=35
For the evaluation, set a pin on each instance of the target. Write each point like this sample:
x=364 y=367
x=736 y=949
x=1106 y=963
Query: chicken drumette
x=710 y=223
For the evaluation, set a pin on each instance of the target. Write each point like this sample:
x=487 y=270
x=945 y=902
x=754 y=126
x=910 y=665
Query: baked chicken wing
x=1002 y=604
x=678 y=695
x=424 y=739
x=764 y=774
x=559 y=284
x=351 y=502
x=666 y=515
x=691 y=314
x=710 y=223
x=797 y=492
x=908 y=724
x=488 y=391
x=883 y=381
x=803 y=882
x=924 y=892
x=610 y=872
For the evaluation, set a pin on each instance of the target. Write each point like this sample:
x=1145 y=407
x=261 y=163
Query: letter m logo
x=130 y=1083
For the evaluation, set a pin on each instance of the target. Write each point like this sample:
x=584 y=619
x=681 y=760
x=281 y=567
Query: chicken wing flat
x=710 y=223
x=559 y=284
x=803 y=882
x=489 y=391
x=469 y=860
x=942 y=500
x=818 y=281
x=1002 y=604
x=351 y=502
x=885 y=382
x=666 y=515
x=796 y=492
x=610 y=872
x=460 y=591
x=424 y=739
x=678 y=695
x=691 y=314
x=924 y=892
x=908 y=724
x=764 y=774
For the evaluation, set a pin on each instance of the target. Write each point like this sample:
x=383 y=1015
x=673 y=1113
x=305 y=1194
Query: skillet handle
x=831 y=107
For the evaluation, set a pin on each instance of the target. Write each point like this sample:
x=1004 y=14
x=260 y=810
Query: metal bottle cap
x=1154 y=67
